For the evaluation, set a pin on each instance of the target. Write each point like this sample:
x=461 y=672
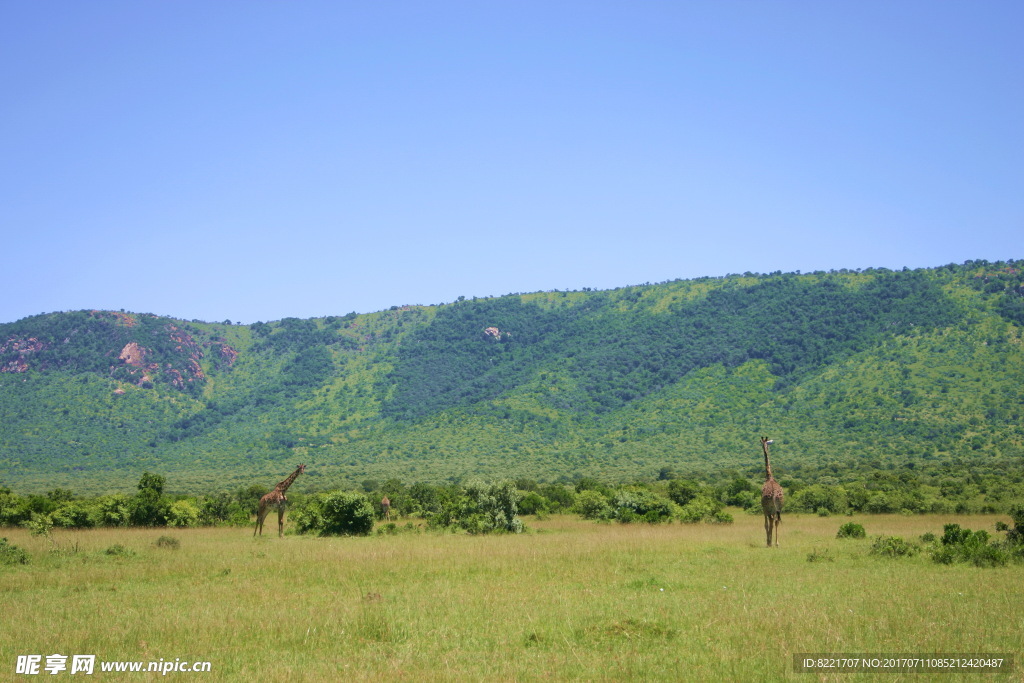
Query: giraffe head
x=302 y=468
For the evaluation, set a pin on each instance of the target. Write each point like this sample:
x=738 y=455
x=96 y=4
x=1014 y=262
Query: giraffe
x=771 y=497
x=385 y=505
x=276 y=499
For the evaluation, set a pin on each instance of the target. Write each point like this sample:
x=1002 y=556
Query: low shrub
x=721 y=517
x=700 y=509
x=892 y=546
x=533 y=504
x=851 y=530
x=1015 y=535
x=636 y=504
x=183 y=513
x=39 y=525
x=72 y=515
x=592 y=505
x=824 y=555
x=973 y=547
x=347 y=514
x=11 y=554
x=489 y=508
x=168 y=542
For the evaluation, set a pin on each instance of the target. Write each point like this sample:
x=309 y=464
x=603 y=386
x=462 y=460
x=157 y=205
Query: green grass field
x=570 y=600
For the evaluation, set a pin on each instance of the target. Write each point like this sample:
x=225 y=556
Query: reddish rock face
x=14 y=353
x=229 y=354
x=494 y=334
x=133 y=355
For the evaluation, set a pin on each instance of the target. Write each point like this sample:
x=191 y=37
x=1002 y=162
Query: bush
x=964 y=545
x=851 y=530
x=118 y=550
x=13 y=509
x=11 y=554
x=1015 y=536
x=308 y=516
x=592 y=505
x=113 y=510
x=39 y=524
x=558 y=497
x=700 y=509
x=183 y=513
x=821 y=499
x=892 y=546
x=533 y=503
x=168 y=542
x=488 y=508
x=637 y=504
x=721 y=517
x=682 y=491
x=72 y=515
x=148 y=508
x=347 y=514
x=222 y=508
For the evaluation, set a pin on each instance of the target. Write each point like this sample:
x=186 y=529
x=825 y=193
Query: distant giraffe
x=276 y=499
x=385 y=505
x=771 y=498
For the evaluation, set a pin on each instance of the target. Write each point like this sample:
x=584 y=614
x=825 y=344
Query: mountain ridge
x=903 y=366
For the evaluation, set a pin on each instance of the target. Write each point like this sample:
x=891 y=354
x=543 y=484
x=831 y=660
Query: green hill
x=845 y=369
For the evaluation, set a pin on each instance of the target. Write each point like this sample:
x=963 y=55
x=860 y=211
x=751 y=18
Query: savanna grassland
x=568 y=600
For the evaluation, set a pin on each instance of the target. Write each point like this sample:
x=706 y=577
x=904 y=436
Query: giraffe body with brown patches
x=771 y=498
x=276 y=499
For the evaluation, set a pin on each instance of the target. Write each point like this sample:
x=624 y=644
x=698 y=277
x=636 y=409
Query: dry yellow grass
x=570 y=600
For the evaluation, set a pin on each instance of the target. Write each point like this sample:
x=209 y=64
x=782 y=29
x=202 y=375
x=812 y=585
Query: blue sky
x=258 y=160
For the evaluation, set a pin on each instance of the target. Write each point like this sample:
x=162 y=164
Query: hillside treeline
x=842 y=368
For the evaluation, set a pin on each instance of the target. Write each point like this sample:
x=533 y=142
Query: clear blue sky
x=259 y=160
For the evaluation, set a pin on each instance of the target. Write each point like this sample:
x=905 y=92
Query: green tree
x=682 y=491
x=152 y=482
x=345 y=514
x=489 y=508
x=148 y=507
x=591 y=504
x=183 y=513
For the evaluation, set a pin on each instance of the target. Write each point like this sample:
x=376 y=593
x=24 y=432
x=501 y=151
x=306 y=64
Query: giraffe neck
x=767 y=463
x=283 y=486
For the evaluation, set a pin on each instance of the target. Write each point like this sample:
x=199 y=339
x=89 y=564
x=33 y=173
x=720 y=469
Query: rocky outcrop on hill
x=133 y=354
x=15 y=353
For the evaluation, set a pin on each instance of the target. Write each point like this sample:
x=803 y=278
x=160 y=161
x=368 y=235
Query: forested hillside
x=846 y=370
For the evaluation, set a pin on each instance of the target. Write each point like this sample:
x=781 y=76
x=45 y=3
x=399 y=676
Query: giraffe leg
x=280 y=521
x=778 y=521
x=768 y=529
x=259 y=521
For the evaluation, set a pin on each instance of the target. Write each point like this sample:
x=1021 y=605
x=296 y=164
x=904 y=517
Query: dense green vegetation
x=914 y=377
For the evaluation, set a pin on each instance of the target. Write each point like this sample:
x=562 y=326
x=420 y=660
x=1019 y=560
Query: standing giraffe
x=276 y=499
x=385 y=506
x=771 y=497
